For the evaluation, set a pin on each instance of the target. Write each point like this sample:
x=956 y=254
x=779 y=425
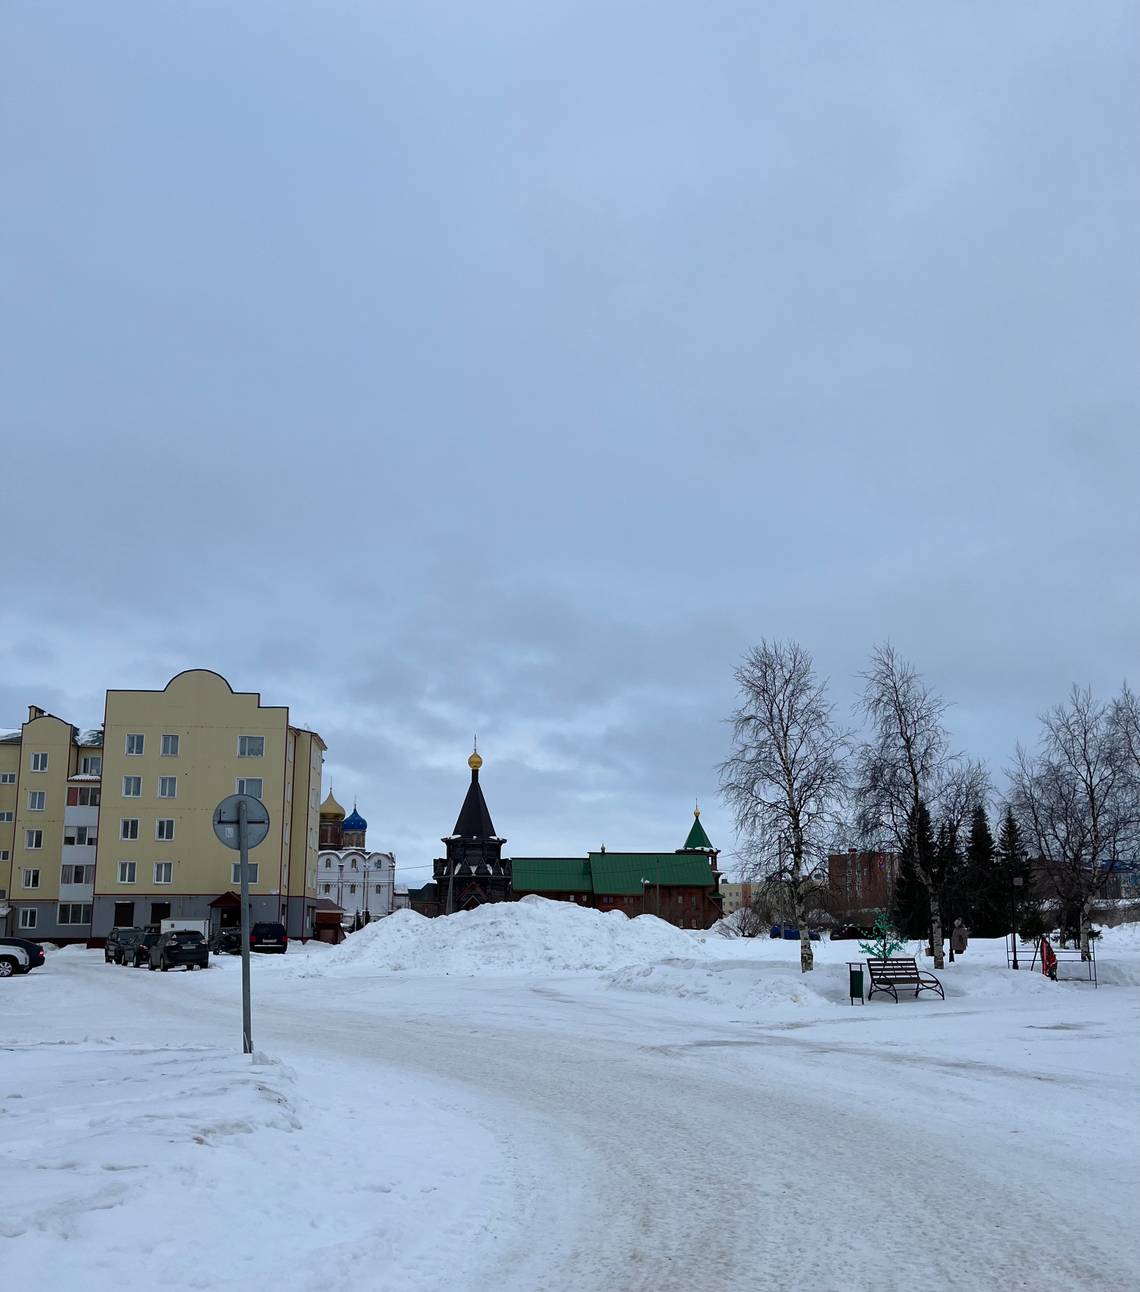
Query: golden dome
x=475 y=762
x=331 y=809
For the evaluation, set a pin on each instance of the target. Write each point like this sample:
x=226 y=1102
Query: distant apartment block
x=115 y=826
x=860 y=883
x=737 y=896
x=49 y=818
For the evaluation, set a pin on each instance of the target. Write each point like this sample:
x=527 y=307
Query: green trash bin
x=855 y=982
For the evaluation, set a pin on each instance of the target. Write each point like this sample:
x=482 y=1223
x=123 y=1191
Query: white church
x=361 y=883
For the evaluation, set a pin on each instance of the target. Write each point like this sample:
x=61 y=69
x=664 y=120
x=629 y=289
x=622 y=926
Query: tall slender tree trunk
x=807 y=959
x=936 y=930
x=1086 y=954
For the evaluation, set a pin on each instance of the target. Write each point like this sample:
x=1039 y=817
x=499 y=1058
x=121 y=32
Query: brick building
x=860 y=883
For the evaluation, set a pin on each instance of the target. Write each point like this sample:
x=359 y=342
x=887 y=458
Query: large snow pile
x=533 y=935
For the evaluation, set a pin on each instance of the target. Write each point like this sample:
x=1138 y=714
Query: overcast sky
x=435 y=368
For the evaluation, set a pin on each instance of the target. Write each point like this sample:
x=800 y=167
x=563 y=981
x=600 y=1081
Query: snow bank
x=764 y=974
x=739 y=984
x=532 y=936
x=191 y=1167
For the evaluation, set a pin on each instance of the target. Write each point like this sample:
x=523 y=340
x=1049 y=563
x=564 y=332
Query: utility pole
x=243 y=853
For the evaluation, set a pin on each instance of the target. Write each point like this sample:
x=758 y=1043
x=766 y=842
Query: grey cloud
x=515 y=368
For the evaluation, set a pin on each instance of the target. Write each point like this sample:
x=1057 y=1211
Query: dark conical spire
x=474 y=821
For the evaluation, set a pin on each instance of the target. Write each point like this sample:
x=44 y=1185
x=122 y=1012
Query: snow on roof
x=9 y=737
x=85 y=776
x=93 y=736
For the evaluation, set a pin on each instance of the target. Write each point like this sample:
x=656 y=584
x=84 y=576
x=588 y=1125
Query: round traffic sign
x=226 y=821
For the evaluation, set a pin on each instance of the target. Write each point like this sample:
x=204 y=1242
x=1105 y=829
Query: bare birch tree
x=907 y=759
x=1126 y=725
x=786 y=777
x=1076 y=801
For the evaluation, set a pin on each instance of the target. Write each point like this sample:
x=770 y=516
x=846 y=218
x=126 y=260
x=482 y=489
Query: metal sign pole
x=243 y=853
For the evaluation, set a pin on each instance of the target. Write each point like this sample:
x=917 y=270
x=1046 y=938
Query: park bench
x=890 y=975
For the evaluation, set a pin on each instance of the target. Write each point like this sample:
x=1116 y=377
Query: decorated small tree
x=884 y=942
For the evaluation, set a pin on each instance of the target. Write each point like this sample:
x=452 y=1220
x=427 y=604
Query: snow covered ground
x=537 y=1097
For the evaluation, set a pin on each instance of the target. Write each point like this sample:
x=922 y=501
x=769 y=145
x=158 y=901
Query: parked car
x=789 y=934
x=851 y=932
x=18 y=955
x=269 y=938
x=227 y=941
x=119 y=944
x=140 y=952
x=185 y=947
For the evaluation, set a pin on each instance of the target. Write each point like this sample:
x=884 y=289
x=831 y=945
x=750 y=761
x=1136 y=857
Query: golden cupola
x=331 y=810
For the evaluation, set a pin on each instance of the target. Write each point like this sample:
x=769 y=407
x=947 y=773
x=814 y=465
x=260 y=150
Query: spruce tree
x=987 y=890
x=1013 y=864
x=910 y=908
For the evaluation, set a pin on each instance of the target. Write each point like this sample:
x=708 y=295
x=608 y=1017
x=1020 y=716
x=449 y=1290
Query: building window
x=33 y=838
x=28 y=917
x=91 y=765
x=327 y=888
x=39 y=762
x=251 y=746
x=127 y=872
x=168 y=787
x=252 y=868
x=379 y=888
x=132 y=787
x=164 y=829
x=251 y=785
x=82 y=836
x=36 y=800
x=328 y=864
x=7 y=778
x=135 y=745
x=88 y=796
x=77 y=874
x=352 y=888
x=74 y=913
x=7 y=816
x=354 y=863
x=129 y=827
x=4 y=854
x=170 y=746
x=30 y=878
x=164 y=872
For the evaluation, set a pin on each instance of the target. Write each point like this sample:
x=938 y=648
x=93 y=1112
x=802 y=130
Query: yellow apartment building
x=49 y=812
x=169 y=758
x=115 y=827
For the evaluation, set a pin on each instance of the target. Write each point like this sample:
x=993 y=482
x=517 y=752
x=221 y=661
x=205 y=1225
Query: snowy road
x=579 y=1137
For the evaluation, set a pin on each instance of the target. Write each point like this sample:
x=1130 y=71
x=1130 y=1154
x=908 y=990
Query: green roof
x=698 y=839
x=628 y=872
x=550 y=875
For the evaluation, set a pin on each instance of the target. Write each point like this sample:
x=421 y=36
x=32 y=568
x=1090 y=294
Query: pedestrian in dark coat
x=959 y=937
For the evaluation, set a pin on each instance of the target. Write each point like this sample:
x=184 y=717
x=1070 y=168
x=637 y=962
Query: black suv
x=185 y=947
x=120 y=945
x=269 y=938
x=139 y=954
